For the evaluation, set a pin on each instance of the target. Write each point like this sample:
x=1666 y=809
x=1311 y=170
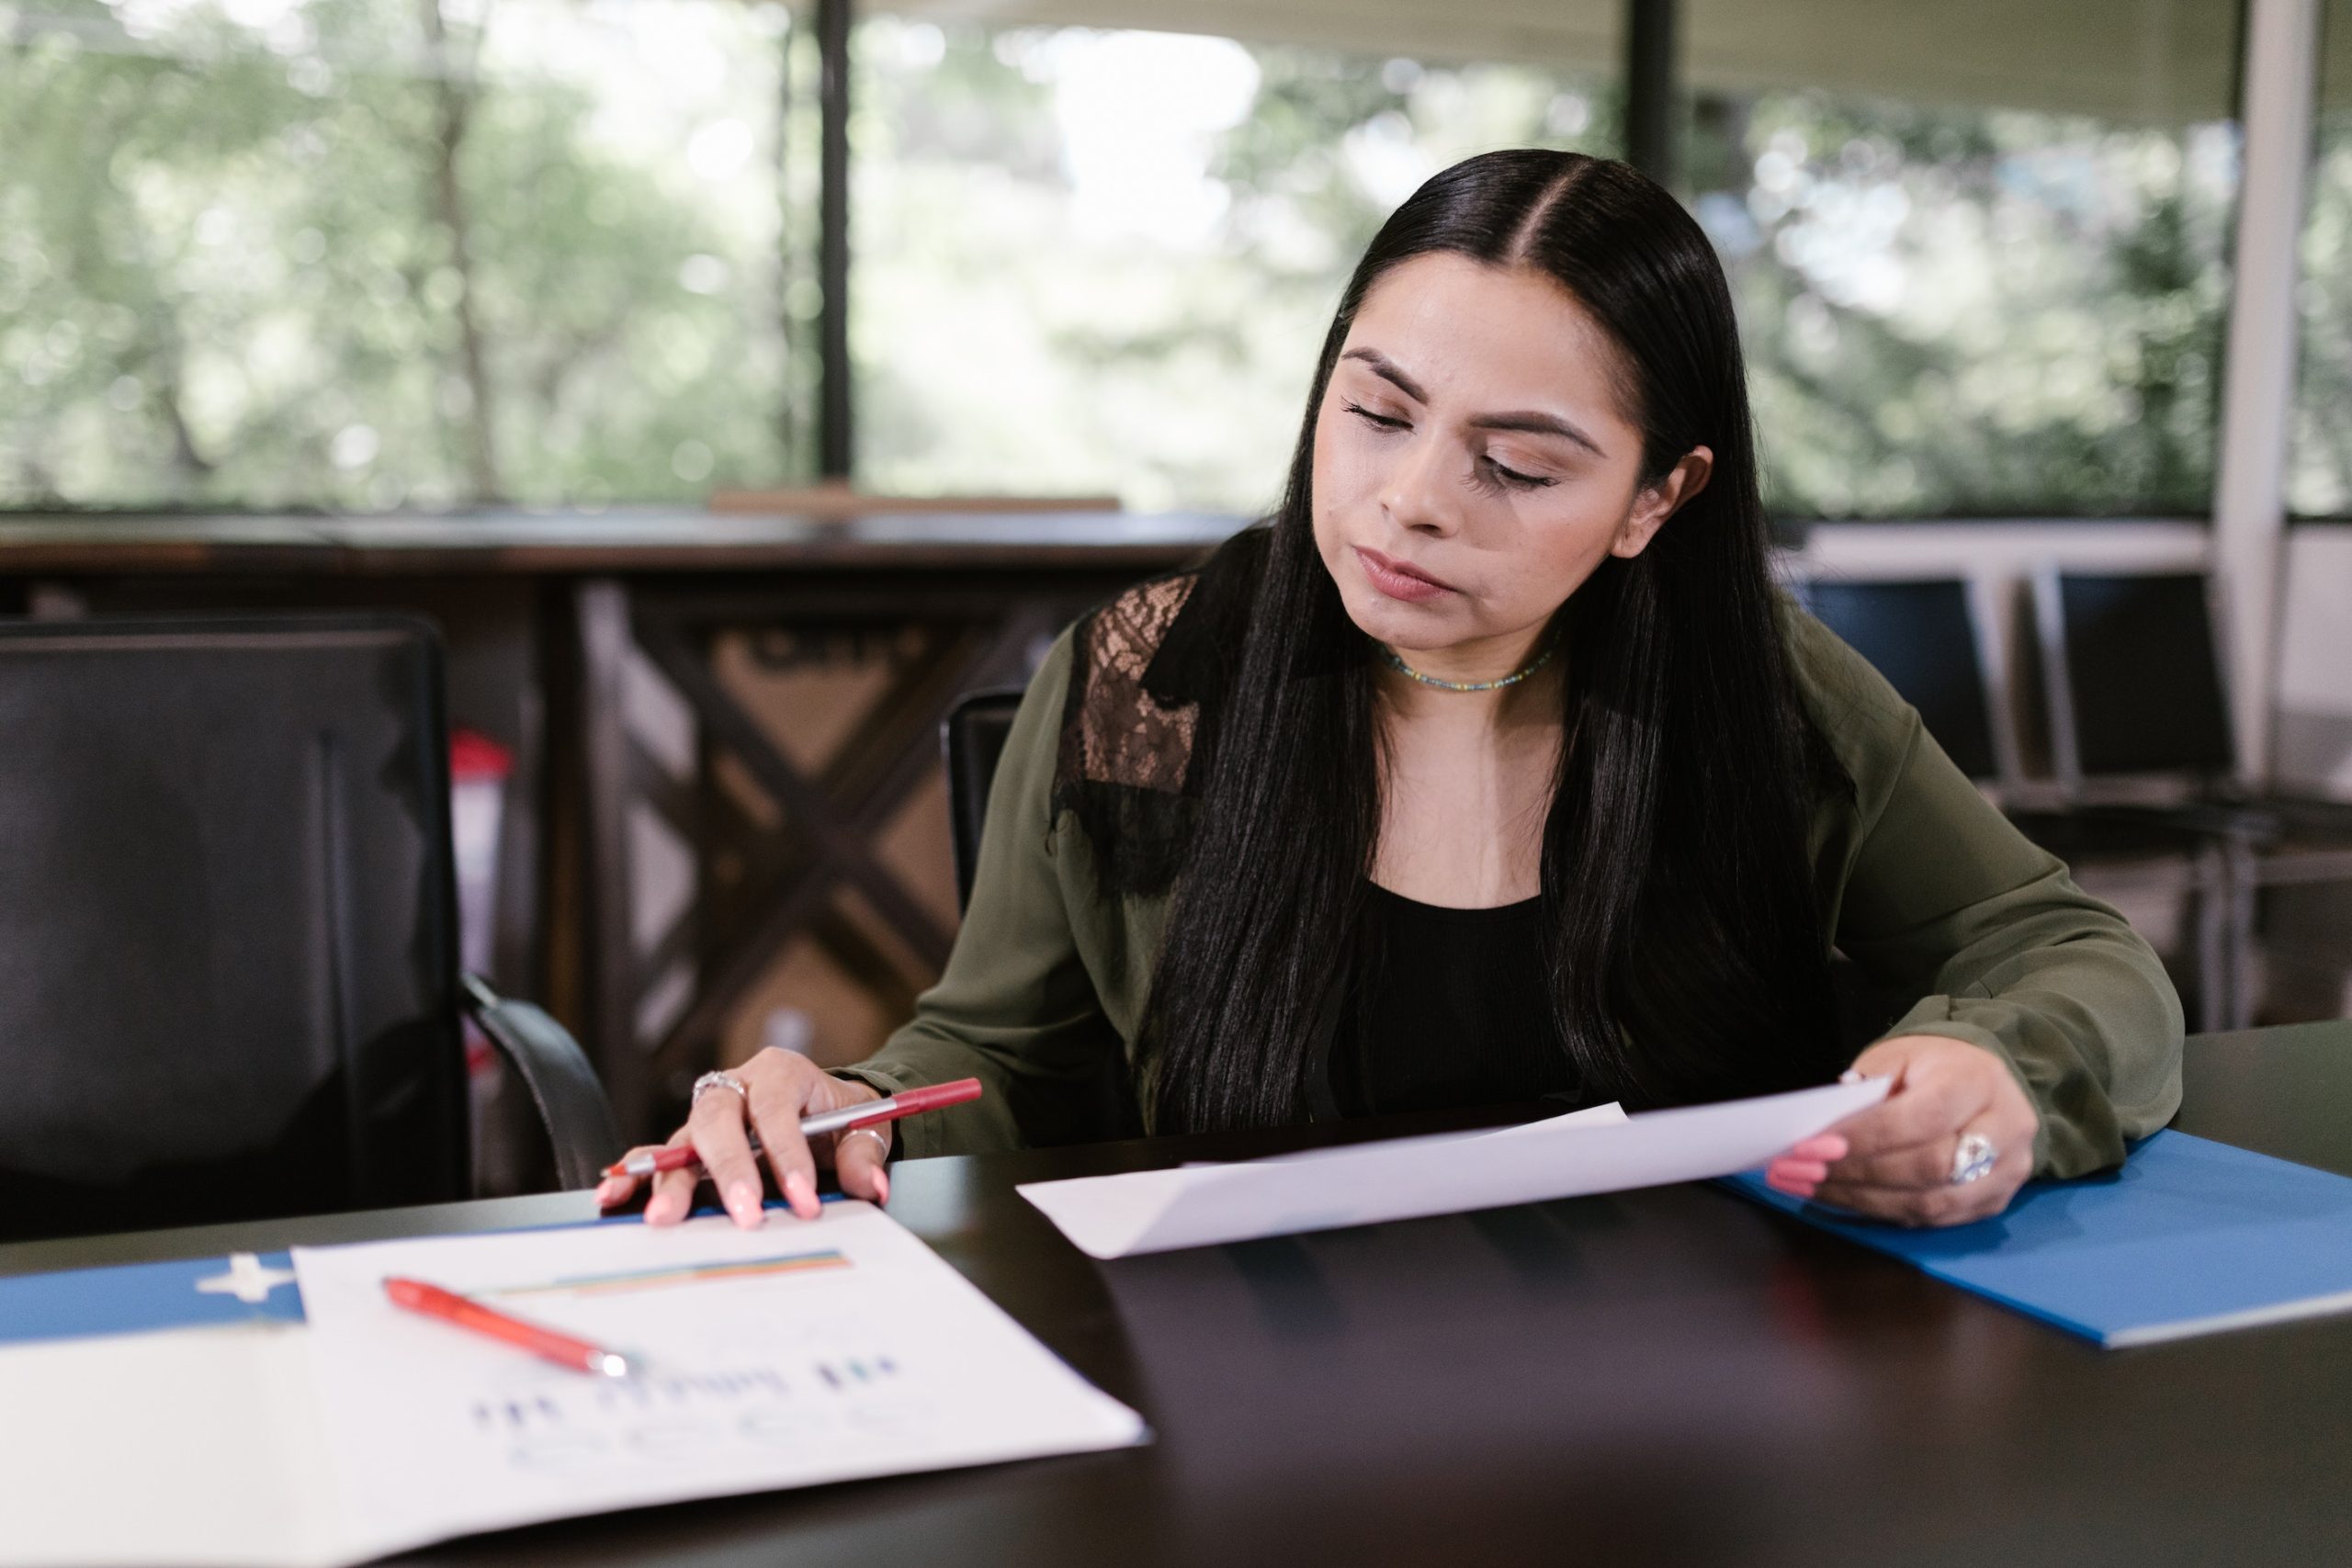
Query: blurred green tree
x=2319 y=460
x=362 y=255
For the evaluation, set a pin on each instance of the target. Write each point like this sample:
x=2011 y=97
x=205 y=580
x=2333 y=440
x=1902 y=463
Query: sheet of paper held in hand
x=1599 y=1150
x=789 y=1355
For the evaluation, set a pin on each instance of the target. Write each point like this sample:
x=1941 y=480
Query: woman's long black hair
x=1679 y=914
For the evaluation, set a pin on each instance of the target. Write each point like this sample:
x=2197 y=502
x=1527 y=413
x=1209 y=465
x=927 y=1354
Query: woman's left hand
x=1894 y=1160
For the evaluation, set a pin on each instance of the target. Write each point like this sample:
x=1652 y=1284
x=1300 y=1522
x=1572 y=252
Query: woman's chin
x=1401 y=624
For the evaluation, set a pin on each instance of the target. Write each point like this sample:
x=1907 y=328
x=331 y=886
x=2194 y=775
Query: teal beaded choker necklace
x=1514 y=679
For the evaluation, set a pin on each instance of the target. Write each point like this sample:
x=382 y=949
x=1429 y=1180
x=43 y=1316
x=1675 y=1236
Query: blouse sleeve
x=1016 y=1008
x=1934 y=893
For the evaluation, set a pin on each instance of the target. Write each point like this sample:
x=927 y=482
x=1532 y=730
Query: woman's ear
x=1655 y=503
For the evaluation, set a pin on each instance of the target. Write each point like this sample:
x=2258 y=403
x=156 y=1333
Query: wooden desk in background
x=561 y=627
x=1672 y=1376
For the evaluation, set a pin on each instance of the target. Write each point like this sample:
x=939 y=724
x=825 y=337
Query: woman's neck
x=1467 y=784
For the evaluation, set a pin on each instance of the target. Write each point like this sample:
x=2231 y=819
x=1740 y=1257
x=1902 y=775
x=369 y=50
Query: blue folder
x=134 y=1297
x=2188 y=1238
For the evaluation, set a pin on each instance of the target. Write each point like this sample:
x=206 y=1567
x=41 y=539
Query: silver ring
x=718 y=1080
x=1973 y=1159
x=866 y=1132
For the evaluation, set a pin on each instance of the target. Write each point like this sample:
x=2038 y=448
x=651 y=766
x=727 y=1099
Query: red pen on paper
x=906 y=1102
x=432 y=1301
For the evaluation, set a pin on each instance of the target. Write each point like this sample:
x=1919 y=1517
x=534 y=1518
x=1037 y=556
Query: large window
x=1981 y=268
x=2319 y=464
x=1102 y=261
x=383 y=253
x=388 y=253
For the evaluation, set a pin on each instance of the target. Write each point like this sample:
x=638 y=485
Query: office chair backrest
x=974 y=736
x=2133 y=676
x=228 y=960
x=1921 y=636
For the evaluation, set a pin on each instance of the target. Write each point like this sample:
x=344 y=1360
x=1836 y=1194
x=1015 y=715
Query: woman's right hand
x=779 y=1088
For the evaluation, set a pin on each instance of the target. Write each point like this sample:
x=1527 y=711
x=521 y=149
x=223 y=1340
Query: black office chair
x=973 y=737
x=228 y=978
x=1922 y=635
x=2133 y=679
x=2140 y=726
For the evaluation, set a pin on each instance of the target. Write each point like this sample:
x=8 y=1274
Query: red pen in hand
x=906 y=1102
x=432 y=1301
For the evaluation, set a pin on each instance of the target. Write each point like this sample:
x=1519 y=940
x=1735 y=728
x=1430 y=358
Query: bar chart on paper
x=850 y=1351
x=632 y=1280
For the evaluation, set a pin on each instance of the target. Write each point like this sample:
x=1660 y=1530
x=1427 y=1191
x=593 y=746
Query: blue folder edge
x=138 y=1298
x=2188 y=1238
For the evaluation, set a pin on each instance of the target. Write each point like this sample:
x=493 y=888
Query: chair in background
x=1922 y=634
x=1926 y=637
x=2140 y=728
x=229 y=977
x=2133 y=679
x=972 y=736
x=973 y=739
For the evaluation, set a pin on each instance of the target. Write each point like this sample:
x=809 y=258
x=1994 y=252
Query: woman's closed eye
x=1493 y=472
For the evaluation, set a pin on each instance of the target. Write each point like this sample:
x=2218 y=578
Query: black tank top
x=1446 y=1008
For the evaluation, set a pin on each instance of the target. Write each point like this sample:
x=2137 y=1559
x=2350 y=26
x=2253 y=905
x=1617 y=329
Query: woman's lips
x=1398 y=581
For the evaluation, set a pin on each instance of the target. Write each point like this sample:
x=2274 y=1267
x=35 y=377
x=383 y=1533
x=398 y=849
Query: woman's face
x=1475 y=462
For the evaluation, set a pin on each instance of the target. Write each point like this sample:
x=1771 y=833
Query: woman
x=1494 y=769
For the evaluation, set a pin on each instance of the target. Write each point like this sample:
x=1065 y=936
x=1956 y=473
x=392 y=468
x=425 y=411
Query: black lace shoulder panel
x=1146 y=675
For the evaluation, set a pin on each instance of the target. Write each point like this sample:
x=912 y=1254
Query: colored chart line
x=696 y=1274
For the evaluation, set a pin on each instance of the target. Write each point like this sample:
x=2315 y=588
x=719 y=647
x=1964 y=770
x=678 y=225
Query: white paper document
x=193 y=1447
x=1155 y=1210
x=789 y=1355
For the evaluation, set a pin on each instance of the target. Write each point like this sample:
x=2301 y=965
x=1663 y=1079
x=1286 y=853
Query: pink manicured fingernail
x=882 y=1187
x=743 y=1203
x=796 y=1193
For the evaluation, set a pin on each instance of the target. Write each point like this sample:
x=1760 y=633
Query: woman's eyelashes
x=1512 y=477
x=1491 y=475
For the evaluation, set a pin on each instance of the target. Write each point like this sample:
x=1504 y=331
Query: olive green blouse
x=1922 y=881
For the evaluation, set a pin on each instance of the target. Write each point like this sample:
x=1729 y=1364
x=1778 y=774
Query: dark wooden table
x=1673 y=1375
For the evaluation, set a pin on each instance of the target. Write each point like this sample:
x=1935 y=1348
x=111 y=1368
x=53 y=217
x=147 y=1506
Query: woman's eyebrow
x=1531 y=423
x=1539 y=424
x=1386 y=369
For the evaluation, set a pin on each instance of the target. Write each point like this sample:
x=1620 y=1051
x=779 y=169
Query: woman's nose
x=1416 y=495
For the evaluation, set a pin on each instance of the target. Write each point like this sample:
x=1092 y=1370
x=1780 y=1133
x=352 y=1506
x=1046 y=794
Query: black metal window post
x=834 y=442
x=1650 y=75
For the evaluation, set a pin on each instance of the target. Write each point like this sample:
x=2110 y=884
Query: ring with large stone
x=718 y=1080
x=1973 y=1159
